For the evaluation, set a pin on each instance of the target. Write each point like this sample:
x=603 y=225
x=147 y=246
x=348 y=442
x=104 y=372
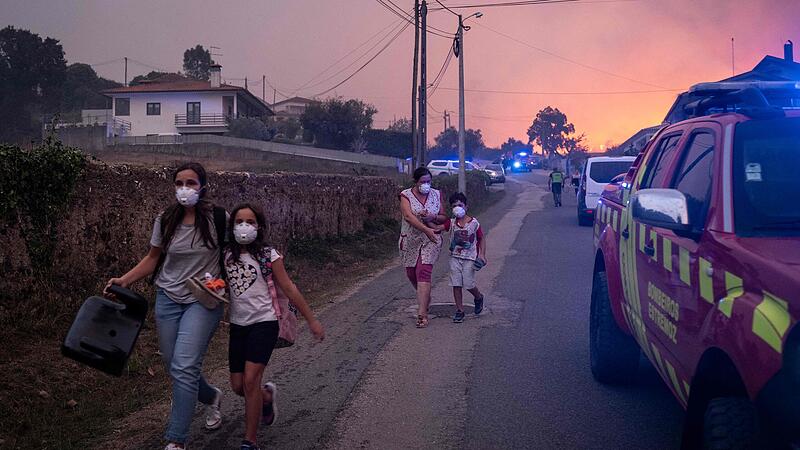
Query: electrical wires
x=491 y=91
x=571 y=61
x=396 y=10
x=366 y=63
x=523 y=3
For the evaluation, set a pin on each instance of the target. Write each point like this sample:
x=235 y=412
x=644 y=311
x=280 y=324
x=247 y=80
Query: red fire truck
x=697 y=265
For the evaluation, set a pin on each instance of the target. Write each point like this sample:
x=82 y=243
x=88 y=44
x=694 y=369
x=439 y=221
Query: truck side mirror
x=663 y=208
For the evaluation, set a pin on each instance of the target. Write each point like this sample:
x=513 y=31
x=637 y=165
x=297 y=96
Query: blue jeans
x=184 y=331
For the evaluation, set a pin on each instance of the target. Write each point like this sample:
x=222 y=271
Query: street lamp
x=458 y=49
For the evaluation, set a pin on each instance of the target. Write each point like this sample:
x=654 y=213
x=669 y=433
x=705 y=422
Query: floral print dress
x=414 y=245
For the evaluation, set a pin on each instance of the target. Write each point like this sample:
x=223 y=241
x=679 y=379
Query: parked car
x=697 y=265
x=447 y=167
x=496 y=173
x=597 y=173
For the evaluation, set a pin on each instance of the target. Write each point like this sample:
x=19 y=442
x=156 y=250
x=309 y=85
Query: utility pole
x=733 y=59
x=423 y=84
x=462 y=172
x=263 y=88
x=245 y=83
x=274 y=95
x=446 y=118
x=126 y=71
x=414 y=131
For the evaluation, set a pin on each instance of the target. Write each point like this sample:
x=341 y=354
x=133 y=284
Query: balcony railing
x=183 y=120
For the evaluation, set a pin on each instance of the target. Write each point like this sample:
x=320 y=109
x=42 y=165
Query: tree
x=337 y=123
x=389 y=143
x=156 y=76
x=32 y=72
x=446 y=146
x=514 y=146
x=403 y=126
x=82 y=89
x=197 y=62
x=550 y=130
x=248 y=128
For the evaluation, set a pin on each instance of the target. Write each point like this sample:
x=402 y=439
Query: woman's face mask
x=187 y=196
x=244 y=233
x=425 y=188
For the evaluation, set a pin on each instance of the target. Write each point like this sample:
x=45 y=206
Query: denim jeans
x=184 y=331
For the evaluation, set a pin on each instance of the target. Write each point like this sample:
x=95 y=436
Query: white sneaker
x=172 y=446
x=213 y=414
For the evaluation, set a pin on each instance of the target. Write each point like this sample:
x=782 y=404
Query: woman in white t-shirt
x=254 y=325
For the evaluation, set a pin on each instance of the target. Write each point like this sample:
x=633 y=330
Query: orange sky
x=666 y=43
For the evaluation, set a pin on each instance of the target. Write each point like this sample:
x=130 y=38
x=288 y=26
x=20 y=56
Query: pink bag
x=284 y=309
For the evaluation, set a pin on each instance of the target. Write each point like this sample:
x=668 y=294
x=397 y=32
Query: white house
x=184 y=107
x=291 y=108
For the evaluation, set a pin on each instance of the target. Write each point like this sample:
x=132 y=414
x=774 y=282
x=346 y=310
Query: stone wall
x=107 y=225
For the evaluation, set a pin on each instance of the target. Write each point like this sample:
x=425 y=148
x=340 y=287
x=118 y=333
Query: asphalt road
x=516 y=376
x=530 y=385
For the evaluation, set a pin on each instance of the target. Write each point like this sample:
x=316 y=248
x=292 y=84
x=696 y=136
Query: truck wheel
x=614 y=354
x=730 y=423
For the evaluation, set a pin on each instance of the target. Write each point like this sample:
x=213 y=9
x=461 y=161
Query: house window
x=192 y=113
x=122 y=107
x=154 y=109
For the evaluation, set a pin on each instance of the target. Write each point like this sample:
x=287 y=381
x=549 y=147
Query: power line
x=367 y=52
x=391 y=25
x=492 y=91
x=106 y=62
x=442 y=71
x=571 y=61
x=157 y=69
x=408 y=18
x=366 y=63
x=524 y=3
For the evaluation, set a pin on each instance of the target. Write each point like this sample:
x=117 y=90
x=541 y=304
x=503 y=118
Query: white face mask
x=459 y=211
x=244 y=233
x=187 y=196
x=425 y=188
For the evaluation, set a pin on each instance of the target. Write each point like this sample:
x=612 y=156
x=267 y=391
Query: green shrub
x=35 y=187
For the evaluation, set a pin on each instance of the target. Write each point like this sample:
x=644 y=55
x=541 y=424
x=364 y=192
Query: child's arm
x=481 y=244
x=291 y=291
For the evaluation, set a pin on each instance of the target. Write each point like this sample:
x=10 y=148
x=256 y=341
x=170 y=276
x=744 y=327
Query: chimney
x=215 y=75
x=788 y=51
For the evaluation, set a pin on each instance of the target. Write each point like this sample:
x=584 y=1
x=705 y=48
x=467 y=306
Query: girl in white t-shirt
x=254 y=325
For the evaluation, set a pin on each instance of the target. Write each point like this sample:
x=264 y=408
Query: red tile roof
x=174 y=86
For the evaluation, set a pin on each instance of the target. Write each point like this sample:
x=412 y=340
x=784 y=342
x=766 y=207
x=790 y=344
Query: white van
x=597 y=173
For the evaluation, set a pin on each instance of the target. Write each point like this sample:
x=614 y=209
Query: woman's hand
x=118 y=281
x=316 y=329
x=431 y=234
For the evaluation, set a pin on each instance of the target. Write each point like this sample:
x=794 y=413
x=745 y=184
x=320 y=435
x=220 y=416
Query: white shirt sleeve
x=274 y=256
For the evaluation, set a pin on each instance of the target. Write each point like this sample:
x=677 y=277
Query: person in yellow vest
x=554 y=183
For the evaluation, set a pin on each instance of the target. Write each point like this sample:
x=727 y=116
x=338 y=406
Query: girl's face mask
x=187 y=196
x=459 y=211
x=244 y=233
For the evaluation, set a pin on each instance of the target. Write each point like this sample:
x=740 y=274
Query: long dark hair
x=173 y=215
x=255 y=247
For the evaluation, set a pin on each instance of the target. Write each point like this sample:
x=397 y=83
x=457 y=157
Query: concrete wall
x=189 y=144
